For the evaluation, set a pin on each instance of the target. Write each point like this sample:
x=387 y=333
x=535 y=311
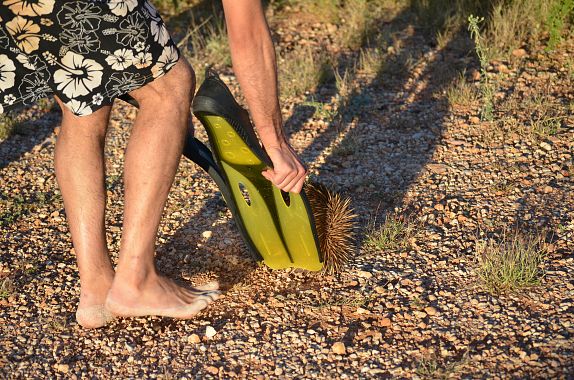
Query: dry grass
x=302 y=70
x=323 y=10
x=512 y=262
x=205 y=43
x=371 y=61
x=513 y=22
x=460 y=92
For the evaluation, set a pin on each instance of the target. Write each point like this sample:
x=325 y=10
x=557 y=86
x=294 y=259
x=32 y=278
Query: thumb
x=268 y=174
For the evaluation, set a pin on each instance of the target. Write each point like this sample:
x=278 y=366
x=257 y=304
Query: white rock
x=210 y=332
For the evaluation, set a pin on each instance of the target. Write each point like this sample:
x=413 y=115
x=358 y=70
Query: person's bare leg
x=152 y=157
x=80 y=173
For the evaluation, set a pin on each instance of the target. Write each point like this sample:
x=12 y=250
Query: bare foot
x=158 y=295
x=91 y=313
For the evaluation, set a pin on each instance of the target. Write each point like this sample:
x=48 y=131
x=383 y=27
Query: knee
x=173 y=89
x=181 y=82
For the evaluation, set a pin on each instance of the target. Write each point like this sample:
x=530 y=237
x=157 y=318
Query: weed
x=512 y=22
x=486 y=87
x=556 y=19
x=427 y=368
x=322 y=110
x=394 y=233
x=347 y=147
x=545 y=126
x=7 y=125
x=6 y=288
x=322 y=10
x=15 y=207
x=432 y=368
x=503 y=186
x=510 y=263
x=355 y=21
x=350 y=300
x=461 y=92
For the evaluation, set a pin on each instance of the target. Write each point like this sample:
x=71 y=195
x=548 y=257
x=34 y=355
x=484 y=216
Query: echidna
x=335 y=223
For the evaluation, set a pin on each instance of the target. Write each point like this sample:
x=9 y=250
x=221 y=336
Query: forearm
x=254 y=64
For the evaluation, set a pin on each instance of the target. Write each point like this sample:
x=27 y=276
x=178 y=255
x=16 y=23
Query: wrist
x=272 y=137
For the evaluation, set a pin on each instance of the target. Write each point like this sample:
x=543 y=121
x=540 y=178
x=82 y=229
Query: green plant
x=322 y=10
x=486 y=87
x=6 y=287
x=348 y=146
x=394 y=233
x=7 y=126
x=322 y=110
x=354 y=301
x=433 y=367
x=427 y=368
x=512 y=22
x=512 y=262
x=545 y=126
x=356 y=20
x=16 y=206
x=556 y=19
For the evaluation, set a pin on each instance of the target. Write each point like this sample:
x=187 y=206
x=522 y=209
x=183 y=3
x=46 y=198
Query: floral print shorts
x=87 y=52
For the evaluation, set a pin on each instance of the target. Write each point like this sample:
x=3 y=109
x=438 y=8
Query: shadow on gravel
x=389 y=127
x=28 y=134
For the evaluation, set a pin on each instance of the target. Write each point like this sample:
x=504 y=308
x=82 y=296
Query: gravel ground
x=415 y=311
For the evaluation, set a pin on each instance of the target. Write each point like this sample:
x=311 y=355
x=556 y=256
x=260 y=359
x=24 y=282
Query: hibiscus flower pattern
x=87 y=52
x=120 y=59
x=121 y=83
x=30 y=7
x=7 y=72
x=81 y=42
x=25 y=33
x=80 y=16
x=122 y=7
x=168 y=58
x=77 y=75
x=34 y=86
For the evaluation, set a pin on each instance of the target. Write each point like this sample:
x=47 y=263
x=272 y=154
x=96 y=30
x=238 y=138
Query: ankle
x=134 y=277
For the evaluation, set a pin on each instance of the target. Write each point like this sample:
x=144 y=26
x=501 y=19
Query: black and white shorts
x=87 y=52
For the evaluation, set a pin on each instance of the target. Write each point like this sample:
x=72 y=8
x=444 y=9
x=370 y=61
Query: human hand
x=288 y=173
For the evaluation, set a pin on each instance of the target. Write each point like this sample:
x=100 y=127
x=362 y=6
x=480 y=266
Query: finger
x=295 y=184
x=299 y=185
x=287 y=180
x=268 y=174
x=289 y=185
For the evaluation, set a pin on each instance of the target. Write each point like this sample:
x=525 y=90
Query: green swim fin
x=278 y=227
